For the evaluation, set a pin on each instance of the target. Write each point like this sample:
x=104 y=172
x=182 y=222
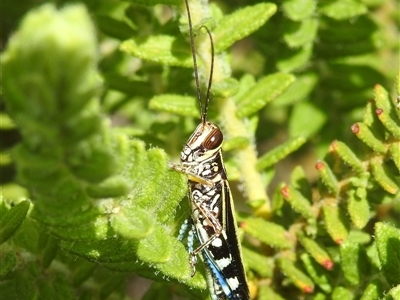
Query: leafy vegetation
x=98 y=96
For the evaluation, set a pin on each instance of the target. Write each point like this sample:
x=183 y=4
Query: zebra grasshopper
x=212 y=218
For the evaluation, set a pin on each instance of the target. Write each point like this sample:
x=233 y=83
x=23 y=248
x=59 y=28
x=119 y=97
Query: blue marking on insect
x=219 y=284
x=218 y=276
x=191 y=234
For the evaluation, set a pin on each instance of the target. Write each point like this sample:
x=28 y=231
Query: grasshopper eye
x=213 y=140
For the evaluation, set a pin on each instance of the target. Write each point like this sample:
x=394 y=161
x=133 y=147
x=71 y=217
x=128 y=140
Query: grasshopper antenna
x=203 y=112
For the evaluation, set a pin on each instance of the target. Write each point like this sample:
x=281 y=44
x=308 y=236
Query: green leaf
x=6 y=122
x=359 y=237
x=394 y=150
x=358 y=209
x=373 y=255
x=280 y=152
x=388 y=245
x=343 y=9
x=297 y=91
x=319 y=296
x=8 y=261
x=386 y=179
x=178 y=267
x=132 y=222
x=225 y=88
x=149 y=248
x=391 y=125
x=181 y=105
x=300 y=34
x=39 y=59
x=266 y=293
x=115 y=186
x=342 y=293
x=25 y=282
x=335 y=222
x=347 y=155
x=382 y=98
x=317 y=273
x=328 y=177
x=296 y=276
x=12 y=220
x=398 y=88
x=246 y=82
x=369 y=117
x=154 y=2
x=163 y=49
x=350 y=259
x=299 y=203
x=240 y=24
x=27 y=236
x=351 y=48
x=298 y=181
x=50 y=251
x=257 y=262
x=85 y=164
x=266 y=89
x=299 y=123
x=102 y=251
x=364 y=134
x=373 y=291
x=276 y=237
x=134 y=195
x=294 y=59
x=339 y=31
x=316 y=251
x=115 y=28
x=395 y=292
x=385 y=112
x=298 y=10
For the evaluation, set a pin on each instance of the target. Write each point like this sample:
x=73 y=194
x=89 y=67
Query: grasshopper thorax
x=205 y=141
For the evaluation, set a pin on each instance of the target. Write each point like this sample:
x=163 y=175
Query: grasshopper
x=212 y=218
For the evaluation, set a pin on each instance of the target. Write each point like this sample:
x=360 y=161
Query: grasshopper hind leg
x=188 y=227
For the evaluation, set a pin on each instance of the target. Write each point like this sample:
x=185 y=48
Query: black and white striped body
x=213 y=213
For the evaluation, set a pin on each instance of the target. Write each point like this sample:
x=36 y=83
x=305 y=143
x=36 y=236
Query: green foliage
x=99 y=97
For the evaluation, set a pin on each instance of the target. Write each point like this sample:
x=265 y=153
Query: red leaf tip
x=333 y=146
x=285 y=192
x=308 y=289
x=328 y=264
x=355 y=128
x=339 y=241
x=319 y=165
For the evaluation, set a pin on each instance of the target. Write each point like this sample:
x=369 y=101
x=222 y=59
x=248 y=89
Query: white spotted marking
x=224 y=262
x=216 y=210
x=217 y=242
x=215 y=200
x=205 y=173
x=233 y=283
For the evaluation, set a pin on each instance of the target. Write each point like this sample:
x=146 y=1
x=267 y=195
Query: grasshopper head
x=203 y=143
